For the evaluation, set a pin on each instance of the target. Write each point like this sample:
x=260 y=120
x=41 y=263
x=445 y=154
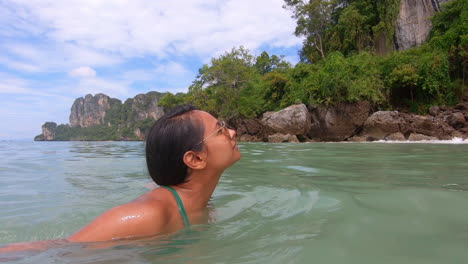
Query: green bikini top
x=180 y=205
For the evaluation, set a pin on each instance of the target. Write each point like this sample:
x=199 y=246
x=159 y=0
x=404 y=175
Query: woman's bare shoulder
x=139 y=218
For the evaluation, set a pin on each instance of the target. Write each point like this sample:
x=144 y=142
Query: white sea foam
x=302 y=168
x=455 y=140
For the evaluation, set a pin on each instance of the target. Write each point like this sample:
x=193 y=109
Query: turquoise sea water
x=281 y=203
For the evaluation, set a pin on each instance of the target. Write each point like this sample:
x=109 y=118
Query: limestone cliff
x=89 y=111
x=413 y=24
x=103 y=110
x=146 y=106
x=48 y=132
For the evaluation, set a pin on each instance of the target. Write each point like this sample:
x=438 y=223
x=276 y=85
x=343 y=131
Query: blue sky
x=53 y=52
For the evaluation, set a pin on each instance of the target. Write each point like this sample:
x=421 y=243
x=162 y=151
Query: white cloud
x=52 y=57
x=14 y=85
x=8 y=89
x=75 y=55
x=169 y=71
x=139 y=27
x=174 y=74
x=13 y=22
x=174 y=90
x=83 y=72
x=112 y=88
x=11 y=85
x=24 y=50
x=17 y=64
x=23 y=116
x=172 y=69
x=138 y=75
x=292 y=59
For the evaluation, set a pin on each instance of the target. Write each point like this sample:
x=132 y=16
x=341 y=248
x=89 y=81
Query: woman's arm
x=129 y=220
x=124 y=221
x=32 y=246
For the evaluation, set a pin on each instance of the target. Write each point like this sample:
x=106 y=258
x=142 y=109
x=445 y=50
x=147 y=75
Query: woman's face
x=219 y=142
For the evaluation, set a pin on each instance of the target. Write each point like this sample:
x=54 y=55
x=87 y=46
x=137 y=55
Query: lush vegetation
x=348 y=26
x=347 y=56
x=102 y=132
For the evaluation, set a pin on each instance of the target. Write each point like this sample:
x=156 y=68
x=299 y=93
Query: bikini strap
x=180 y=205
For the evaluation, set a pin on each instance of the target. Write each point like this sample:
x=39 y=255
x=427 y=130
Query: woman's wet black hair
x=175 y=133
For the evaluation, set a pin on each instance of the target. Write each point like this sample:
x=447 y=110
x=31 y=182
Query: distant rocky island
x=99 y=117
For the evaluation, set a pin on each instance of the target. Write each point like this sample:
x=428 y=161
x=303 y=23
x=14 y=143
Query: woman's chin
x=238 y=154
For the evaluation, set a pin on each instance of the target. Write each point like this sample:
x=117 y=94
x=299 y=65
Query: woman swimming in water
x=187 y=150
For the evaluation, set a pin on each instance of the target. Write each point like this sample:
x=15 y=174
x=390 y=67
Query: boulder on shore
x=249 y=138
x=427 y=125
x=293 y=120
x=382 y=124
x=398 y=136
x=248 y=127
x=337 y=123
x=456 y=120
x=420 y=137
x=351 y=122
x=434 y=110
x=280 y=138
x=387 y=124
x=462 y=106
x=357 y=139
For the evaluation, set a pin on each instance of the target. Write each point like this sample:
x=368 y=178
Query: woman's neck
x=198 y=189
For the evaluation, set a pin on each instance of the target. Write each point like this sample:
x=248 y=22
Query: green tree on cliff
x=450 y=33
x=170 y=100
x=344 y=25
x=222 y=86
x=314 y=18
x=265 y=63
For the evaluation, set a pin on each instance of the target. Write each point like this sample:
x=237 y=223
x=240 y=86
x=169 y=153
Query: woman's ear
x=195 y=160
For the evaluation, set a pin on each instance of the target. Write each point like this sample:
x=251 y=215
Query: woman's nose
x=232 y=133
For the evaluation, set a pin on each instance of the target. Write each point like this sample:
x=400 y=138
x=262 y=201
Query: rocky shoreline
x=353 y=122
x=99 y=117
